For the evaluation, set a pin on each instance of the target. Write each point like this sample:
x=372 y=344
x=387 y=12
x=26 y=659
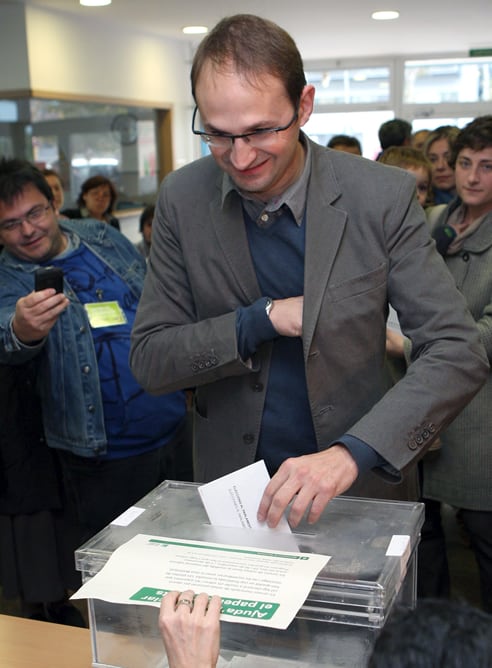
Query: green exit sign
x=479 y=53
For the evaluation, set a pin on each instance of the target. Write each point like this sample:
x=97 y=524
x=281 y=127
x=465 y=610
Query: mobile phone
x=48 y=277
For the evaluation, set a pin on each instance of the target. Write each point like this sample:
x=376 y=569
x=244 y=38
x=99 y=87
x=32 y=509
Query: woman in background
x=437 y=148
x=97 y=199
x=459 y=475
x=56 y=186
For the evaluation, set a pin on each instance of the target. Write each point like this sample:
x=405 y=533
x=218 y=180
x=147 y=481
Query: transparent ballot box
x=349 y=601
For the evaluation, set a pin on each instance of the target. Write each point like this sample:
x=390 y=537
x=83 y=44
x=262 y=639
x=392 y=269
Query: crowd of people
x=264 y=316
x=453 y=173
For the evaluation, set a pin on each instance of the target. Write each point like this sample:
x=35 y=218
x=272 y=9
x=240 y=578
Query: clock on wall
x=124 y=128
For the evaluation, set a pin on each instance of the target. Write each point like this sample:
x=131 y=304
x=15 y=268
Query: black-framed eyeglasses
x=257 y=138
x=35 y=216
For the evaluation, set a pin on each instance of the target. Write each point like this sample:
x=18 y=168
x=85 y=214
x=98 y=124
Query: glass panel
x=45 y=149
x=94 y=153
x=448 y=80
x=147 y=157
x=80 y=139
x=361 y=124
x=351 y=86
x=8 y=111
x=8 y=114
x=6 y=147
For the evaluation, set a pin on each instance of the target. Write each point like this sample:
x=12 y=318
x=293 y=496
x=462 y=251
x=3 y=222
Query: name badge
x=105 y=314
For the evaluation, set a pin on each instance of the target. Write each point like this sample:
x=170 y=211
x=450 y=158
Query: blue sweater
x=287 y=426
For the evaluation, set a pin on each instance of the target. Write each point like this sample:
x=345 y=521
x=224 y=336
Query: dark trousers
x=433 y=572
x=479 y=526
x=100 y=490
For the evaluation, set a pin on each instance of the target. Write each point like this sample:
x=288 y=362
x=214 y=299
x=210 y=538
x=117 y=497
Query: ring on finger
x=185 y=601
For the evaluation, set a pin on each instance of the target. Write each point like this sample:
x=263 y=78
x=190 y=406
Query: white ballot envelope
x=233 y=500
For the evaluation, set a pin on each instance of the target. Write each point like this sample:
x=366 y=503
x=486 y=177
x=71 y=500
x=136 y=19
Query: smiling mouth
x=251 y=170
x=32 y=241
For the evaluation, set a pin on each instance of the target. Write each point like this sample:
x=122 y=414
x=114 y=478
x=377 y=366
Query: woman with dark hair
x=96 y=200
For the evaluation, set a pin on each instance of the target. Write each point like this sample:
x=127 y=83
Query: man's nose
x=27 y=227
x=242 y=153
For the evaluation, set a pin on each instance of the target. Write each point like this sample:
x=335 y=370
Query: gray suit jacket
x=367 y=242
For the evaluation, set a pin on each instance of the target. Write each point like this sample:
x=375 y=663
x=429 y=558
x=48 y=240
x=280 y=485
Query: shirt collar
x=294 y=198
x=73 y=242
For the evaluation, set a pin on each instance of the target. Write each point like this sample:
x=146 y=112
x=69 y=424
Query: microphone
x=443 y=236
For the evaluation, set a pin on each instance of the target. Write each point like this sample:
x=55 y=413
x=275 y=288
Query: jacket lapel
x=230 y=230
x=324 y=230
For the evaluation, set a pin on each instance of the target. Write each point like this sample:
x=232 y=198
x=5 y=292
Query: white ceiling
x=323 y=29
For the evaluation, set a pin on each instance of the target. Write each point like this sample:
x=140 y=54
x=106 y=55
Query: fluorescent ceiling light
x=195 y=30
x=95 y=3
x=385 y=15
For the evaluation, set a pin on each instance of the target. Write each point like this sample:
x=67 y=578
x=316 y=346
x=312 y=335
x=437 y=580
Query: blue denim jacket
x=68 y=379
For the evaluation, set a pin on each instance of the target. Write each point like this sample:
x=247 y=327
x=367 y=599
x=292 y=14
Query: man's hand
x=394 y=343
x=36 y=314
x=311 y=480
x=286 y=316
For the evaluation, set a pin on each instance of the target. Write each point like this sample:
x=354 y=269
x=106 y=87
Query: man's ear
x=306 y=104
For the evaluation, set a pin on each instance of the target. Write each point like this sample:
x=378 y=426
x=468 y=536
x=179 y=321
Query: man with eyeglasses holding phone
x=114 y=442
x=272 y=264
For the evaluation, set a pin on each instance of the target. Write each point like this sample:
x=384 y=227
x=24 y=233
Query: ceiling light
x=95 y=3
x=195 y=30
x=385 y=15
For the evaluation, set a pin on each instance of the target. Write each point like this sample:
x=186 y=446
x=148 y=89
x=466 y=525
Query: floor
x=12 y=607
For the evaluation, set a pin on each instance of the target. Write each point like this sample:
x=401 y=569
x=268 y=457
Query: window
x=355 y=98
x=80 y=139
x=363 y=125
x=369 y=85
x=448 y=81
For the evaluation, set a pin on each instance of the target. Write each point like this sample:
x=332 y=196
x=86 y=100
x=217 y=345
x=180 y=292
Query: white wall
x=69 y=55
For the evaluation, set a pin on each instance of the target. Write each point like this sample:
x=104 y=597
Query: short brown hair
x=254 y=46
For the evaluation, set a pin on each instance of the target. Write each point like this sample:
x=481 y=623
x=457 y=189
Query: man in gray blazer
x=272 y=265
